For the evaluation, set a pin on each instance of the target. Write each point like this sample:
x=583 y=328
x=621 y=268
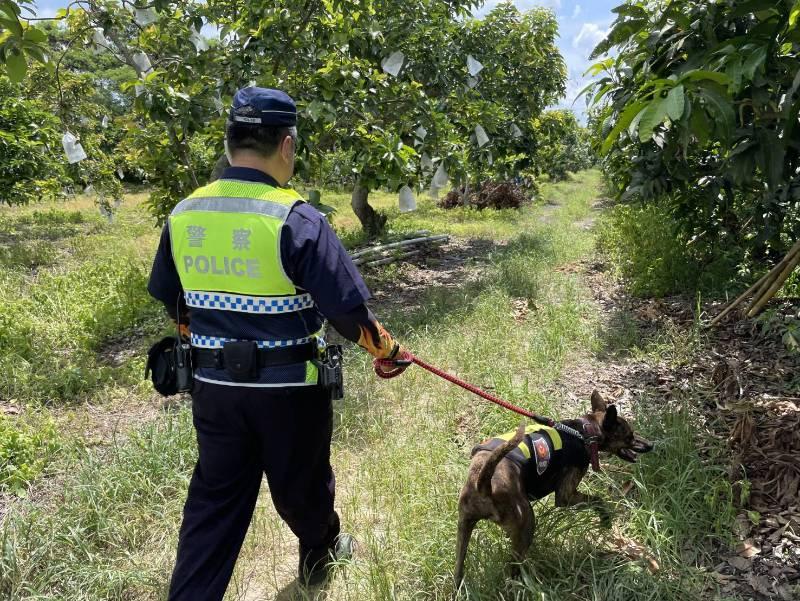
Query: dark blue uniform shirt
x=314 y=259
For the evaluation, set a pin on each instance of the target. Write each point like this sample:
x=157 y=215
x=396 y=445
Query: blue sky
x=582 y=24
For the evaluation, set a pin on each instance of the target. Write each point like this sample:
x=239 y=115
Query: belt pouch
x=241 y=360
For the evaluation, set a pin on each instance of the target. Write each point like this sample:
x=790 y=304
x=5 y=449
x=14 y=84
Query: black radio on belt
x=331 y=376
x=169 y=365
x=183 y=367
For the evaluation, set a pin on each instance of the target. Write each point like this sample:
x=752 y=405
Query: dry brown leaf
x=519 y=309
x=747 y=549
x=634 y=550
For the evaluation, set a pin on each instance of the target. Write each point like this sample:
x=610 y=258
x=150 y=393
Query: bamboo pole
x=762 y=286
x=738 y=301
x=388 y=260
x=402 y=243
x=773 y=275
x=758 y=305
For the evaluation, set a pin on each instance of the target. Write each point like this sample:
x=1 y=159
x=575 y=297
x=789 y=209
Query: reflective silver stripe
x=232 y=204
x=253 y=385
x=247 y=119
x=215 y=342
x=225 y=301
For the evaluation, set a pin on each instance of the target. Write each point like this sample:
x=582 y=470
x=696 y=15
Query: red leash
x=408 y=358
x=411 y=358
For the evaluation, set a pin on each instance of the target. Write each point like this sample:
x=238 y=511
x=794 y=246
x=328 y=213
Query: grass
x=103 y=523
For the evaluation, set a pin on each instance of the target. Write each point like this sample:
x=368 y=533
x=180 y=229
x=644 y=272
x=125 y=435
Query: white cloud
x=590 y=35
x=578 y=10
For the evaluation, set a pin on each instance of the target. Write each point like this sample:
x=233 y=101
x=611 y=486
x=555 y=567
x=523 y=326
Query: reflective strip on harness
x=555 y=437
x=214 y=342
x=248 y=304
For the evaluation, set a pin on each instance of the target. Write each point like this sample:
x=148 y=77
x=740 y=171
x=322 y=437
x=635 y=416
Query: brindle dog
x=496 y=487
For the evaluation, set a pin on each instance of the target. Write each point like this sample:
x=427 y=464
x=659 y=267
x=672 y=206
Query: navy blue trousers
x=243 y=433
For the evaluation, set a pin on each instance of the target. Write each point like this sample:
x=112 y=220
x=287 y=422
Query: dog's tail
x=484 y=483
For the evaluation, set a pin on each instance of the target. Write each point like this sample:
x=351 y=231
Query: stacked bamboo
x=765 y=288
x=397 y=251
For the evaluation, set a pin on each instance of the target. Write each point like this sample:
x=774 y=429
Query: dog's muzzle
x=640 y=445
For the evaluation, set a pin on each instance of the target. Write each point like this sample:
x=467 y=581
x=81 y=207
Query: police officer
x=250 y=272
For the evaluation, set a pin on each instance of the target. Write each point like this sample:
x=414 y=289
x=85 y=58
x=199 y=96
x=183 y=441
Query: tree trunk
x=372 y=221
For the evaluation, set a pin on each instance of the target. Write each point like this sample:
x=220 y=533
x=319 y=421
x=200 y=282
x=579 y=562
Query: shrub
x=648 y=249
x=25 y=449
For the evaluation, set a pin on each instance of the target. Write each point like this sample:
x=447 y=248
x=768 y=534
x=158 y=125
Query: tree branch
x=309 y=8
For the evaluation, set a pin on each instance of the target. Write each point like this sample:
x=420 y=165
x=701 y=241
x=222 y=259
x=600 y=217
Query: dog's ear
x=598 y=402
x=610 y=418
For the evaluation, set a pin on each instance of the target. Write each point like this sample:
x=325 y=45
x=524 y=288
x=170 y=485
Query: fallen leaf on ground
x=747 y=549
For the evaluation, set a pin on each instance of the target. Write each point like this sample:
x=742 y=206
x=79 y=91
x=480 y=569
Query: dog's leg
x=519 y=528
x=568 y=495
x=465 y=527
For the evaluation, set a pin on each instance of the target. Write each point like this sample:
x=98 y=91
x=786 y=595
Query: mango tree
x=699 y=108
x=396 y=89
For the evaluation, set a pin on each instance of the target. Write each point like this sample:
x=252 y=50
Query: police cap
x=263 y=106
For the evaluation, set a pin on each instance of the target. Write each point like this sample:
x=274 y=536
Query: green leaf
x=754 y=6
x=624 y=121
x=676 y=103
x=699 y=75
x=36 y=53
x=16 y=66
x=35 y=35
x=635 y=123
x=601 y=93
x=753 y=62
x=598 y=68
x=735 y=71
x=652 y=118
x=722 y=110
x=12 y=24
x=10 y=8
x=795 y=14
x=701 y=128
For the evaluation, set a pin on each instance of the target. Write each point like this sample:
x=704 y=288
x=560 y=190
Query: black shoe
x=315 y=564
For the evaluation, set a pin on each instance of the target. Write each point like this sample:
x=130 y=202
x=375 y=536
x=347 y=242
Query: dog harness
x=541 y=455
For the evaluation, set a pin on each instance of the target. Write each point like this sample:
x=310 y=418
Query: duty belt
x=300 y=353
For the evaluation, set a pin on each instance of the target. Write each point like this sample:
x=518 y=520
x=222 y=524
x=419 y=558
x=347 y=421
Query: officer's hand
x=391 y=368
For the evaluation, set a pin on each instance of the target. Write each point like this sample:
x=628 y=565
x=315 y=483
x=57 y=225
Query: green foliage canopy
x=328 y=54
x=31 y=163
x=700 y=106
